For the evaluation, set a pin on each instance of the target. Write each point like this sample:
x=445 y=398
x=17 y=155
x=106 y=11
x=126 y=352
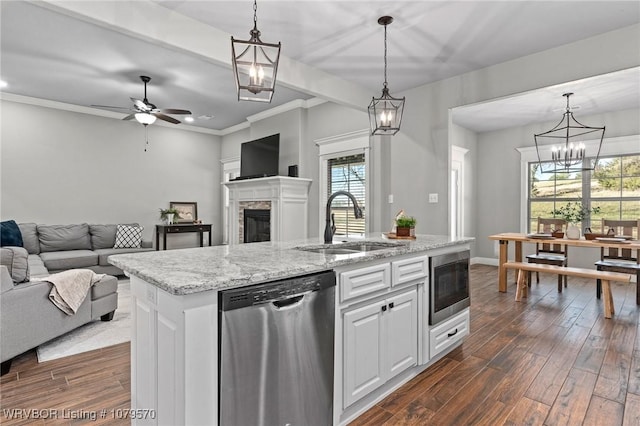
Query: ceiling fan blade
x=140 y=105
x=165 y=118
x=109 y=106
x=175 y=111
x=129 y=117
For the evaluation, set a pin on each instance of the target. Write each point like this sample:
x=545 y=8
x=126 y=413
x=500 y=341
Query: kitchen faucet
x=330 y=227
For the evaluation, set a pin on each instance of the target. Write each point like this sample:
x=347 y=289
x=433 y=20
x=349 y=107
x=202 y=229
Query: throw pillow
x=128 y=236
x=10 y=234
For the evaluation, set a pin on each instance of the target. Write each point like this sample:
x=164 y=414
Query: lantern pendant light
x=255 y=65
x=571 y=154
x=385 y=112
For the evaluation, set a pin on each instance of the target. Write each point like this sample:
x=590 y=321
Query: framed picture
x=188 y=211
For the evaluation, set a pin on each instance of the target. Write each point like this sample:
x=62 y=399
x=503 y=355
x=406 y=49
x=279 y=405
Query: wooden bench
x=604 y=276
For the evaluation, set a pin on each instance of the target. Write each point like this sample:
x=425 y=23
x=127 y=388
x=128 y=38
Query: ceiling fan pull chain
x=146 y=138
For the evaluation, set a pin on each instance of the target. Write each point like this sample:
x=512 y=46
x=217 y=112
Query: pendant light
x=255 y=65
x=570 y=152
x=385 y=112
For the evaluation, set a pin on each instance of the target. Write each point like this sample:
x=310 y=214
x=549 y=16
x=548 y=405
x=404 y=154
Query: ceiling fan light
x=145 y=118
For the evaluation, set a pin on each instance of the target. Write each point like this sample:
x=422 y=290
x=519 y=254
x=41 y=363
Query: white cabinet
x=448 y=333
x=406 y=270
x=363 y=281
x=380 y=341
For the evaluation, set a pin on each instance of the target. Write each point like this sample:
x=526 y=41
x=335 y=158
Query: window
x=347 y=173
x=614 y=187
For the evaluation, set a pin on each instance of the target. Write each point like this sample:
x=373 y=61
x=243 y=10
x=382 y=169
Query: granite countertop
x=187 y=271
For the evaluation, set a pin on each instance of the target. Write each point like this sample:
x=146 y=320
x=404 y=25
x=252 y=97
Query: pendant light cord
x=385 y=55
x=255 y=14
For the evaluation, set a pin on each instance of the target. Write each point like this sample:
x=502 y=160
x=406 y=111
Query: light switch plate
x=433 y=198
x=390 y=198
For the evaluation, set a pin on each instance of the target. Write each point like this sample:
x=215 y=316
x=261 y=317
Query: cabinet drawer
x=448 y=333
x=364 y=280
x=403 y=271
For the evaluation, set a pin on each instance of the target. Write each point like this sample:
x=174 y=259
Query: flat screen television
x=259 y=158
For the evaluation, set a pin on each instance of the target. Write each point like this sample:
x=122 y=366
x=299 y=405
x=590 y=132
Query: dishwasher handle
x=289 y=303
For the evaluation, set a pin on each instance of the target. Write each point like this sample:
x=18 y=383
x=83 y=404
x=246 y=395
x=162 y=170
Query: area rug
x=94 y=335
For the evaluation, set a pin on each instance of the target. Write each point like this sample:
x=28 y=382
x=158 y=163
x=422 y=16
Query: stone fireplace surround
x=286 y=197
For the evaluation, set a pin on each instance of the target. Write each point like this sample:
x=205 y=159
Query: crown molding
x=11 y=97
x=289 y=106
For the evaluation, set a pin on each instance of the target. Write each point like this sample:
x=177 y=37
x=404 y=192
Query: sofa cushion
x=36 y=267
x=128 y=236
x=72 y=259
x=30 y=241
x=6 y=282
x=103 y=254
x=10 y=234
x=107 y=285
x=16 y=261
x=102 y=236
x=64 y=237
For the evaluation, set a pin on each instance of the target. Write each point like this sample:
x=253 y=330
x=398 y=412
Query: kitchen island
x=174 y=347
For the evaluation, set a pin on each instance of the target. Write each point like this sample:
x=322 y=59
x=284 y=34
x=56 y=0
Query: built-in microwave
x=449 y=285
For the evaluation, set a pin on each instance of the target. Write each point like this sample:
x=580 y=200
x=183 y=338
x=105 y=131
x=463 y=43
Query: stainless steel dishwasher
x=276 y=352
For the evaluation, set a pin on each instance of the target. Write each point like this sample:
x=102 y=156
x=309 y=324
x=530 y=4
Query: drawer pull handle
x=391 y=305
x=384 y=308
x=452 y=334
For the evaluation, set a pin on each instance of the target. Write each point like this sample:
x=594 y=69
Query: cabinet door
x=401 y=320
x=363 y=366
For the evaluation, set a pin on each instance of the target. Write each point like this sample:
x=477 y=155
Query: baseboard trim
x=484 y=261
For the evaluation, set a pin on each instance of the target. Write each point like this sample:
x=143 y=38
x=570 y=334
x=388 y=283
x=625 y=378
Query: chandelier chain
x=385 y=55
x=255 y=13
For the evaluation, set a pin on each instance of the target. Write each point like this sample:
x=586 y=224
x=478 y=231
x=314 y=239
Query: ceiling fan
x=145 y=112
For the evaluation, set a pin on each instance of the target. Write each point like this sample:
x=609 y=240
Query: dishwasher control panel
x=275 y=290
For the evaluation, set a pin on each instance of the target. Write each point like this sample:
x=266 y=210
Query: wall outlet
x=390 y=198
x=433 y=198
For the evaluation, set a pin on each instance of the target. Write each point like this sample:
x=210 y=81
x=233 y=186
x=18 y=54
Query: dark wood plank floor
x=553 y=359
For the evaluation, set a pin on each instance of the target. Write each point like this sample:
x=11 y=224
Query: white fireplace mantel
x=289 y=199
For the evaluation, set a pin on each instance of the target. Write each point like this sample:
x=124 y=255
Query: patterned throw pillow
x=128 y=236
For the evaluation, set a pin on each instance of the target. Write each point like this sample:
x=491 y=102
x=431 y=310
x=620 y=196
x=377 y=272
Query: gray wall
x=500 y=190
x=61 y=167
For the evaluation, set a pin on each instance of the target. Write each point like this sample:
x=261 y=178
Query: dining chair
x=614 y=259
x=549 y=253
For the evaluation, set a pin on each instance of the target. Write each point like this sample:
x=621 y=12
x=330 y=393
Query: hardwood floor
x=553 y=359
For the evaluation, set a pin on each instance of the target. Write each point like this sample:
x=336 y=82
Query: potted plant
x=169 y=215
x=573 y=212
x=405 y=226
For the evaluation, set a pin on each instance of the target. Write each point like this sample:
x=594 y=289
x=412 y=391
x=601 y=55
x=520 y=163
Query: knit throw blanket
x=70 y=288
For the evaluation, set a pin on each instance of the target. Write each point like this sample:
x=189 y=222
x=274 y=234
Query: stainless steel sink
x=350 y=247
x=329 y=251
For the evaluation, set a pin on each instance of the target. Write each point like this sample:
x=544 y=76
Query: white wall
x=61 y=167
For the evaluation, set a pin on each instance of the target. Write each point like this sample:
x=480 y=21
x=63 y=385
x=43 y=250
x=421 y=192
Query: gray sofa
x=55 y=248
x=27 y=317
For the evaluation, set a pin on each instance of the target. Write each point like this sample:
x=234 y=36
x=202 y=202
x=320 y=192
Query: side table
x=180 y=228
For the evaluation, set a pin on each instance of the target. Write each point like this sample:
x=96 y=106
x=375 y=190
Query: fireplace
x=257 y=225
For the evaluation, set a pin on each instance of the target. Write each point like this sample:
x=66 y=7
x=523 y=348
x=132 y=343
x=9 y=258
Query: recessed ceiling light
x=188 y=119
x=3 y=84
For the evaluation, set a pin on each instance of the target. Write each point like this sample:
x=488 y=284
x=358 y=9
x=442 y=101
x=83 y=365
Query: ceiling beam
x=151 y=22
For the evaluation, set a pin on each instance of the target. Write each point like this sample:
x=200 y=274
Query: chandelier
x=568 y=150
x=255 y=65
x=385 y=112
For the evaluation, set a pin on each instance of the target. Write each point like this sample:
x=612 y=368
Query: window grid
x=614 y=187
x=347 y=173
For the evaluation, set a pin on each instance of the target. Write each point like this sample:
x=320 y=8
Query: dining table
x=519 y=238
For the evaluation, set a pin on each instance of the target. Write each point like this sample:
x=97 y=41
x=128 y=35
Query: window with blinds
x=347 y=174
